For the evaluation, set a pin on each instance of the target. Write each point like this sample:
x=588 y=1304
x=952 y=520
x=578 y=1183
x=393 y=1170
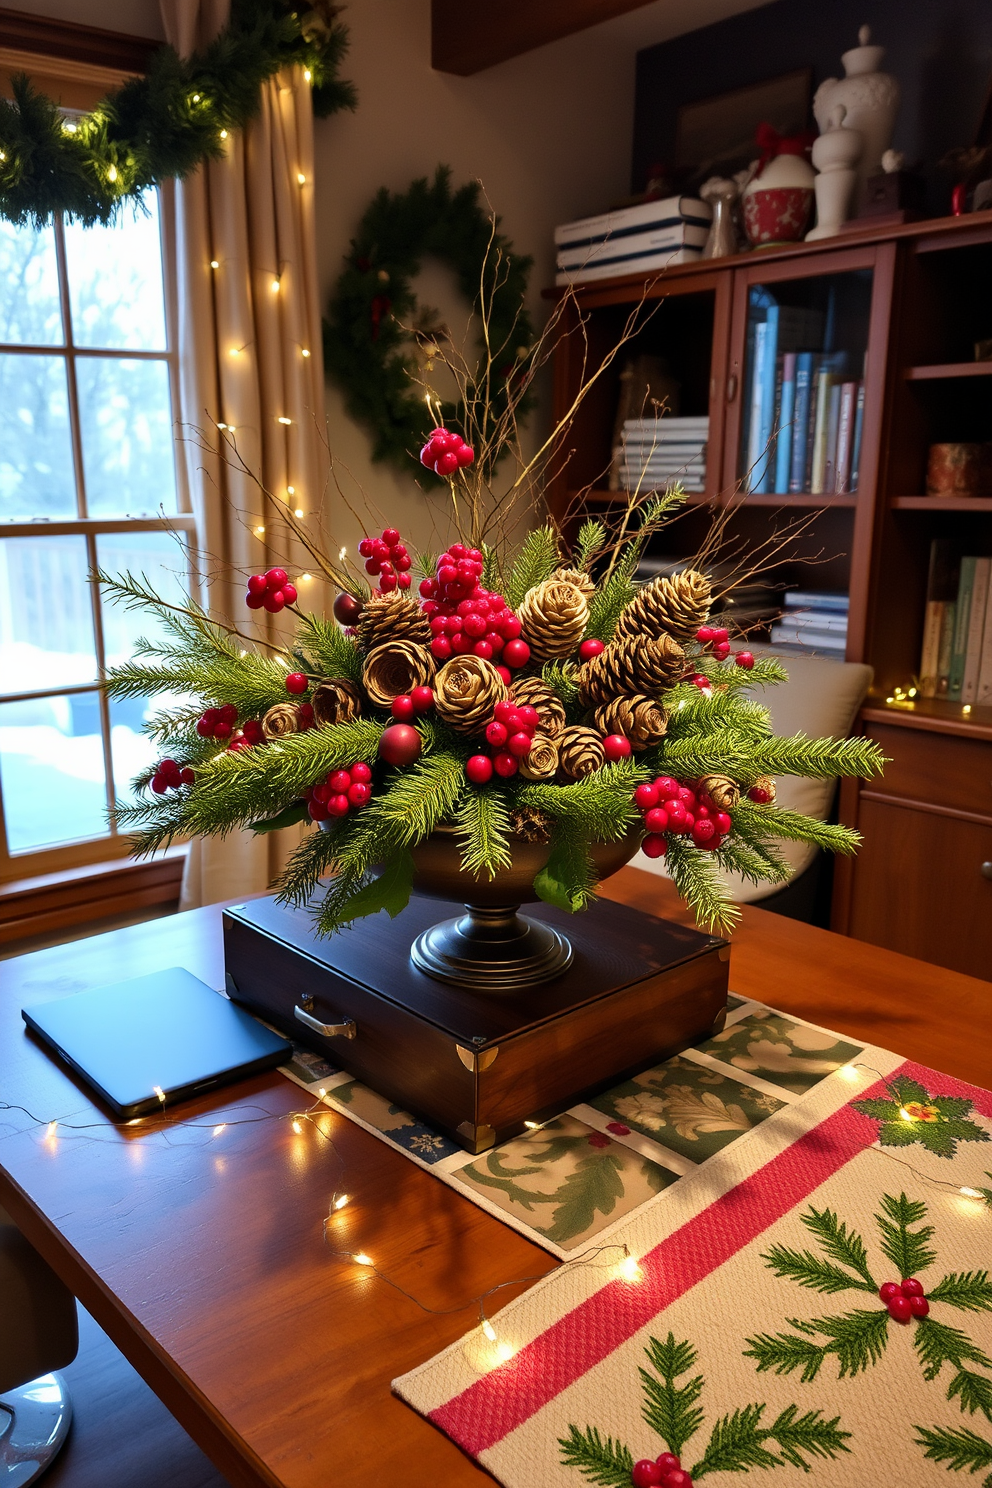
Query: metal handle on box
x=345 y=1029
x=987 y=870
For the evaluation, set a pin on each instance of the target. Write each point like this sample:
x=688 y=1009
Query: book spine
x=818 y=470
x=859 y=423
x=845 y=432
x=757 y=386
x=976 y=629
x=833 y=430
x=797 y=467
x=947 y=628
x=962 y=621
x=983 y=695
x=930 y=650
x=766 y=453
x=787 y=411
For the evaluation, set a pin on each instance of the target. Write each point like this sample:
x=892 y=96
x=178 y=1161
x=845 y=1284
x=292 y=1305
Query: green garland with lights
x=166 y=123
x=374 y=325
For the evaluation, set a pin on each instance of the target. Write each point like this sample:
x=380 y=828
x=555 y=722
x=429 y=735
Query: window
x=88 y=478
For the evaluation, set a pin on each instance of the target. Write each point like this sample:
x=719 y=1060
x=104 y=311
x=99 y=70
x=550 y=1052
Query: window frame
x=112 y=844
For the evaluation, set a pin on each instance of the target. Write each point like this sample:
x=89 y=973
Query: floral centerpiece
x=505 y=695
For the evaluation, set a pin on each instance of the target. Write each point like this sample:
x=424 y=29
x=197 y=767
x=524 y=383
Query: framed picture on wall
x=716 y=135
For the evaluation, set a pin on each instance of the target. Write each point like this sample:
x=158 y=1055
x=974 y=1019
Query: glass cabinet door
x=803 y=395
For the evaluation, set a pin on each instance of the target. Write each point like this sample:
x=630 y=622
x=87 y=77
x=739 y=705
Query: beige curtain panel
x=251 y=375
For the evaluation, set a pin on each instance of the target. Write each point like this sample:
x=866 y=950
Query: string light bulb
x=160 y=1093
x=290 y=490
x=69 y=127
x=111 y=173
x=361 y=1259
x=235 y=351
x=301 y=178
x=259 y=531
x=340 y=1201
x=196 y=97
x=218 y=1129
x=53 y=1127
x=488 y=1330
x=342 y=555
x=275 y=286
x=307 y=74
x=306 y=578
x=848 y=1072
x=304 y=352
x=504 y=1352
x=297 y=1127
x=284 y=420
x=298 y=511
x=223 y=134
x=971 y=1193
x=214 y=263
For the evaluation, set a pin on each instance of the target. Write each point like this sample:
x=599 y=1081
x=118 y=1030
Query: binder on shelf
x=976 y=629
x=629 y=240
x=800 y=435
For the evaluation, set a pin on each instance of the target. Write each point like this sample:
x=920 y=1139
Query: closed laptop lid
x=167 y=1030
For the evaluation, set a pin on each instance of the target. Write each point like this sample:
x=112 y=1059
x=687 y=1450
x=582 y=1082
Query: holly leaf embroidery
x=937 y=1122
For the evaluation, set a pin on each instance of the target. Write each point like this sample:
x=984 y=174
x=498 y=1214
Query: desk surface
x=203 y=1258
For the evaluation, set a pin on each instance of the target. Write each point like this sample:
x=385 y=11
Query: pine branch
x=354 y=896
x=671 y=1409
x=591 y=540
x=418 y=799
x=736 y=1444
x=957 y=1446
x=785 y=1353
x=756 y=862
x=606 y=1463
x=772 y=821
x=974 y=1392
x=483 y=828
x=808 y=1433
x=189 y=624
x=857 y=1339
x=151 y=825
x=612 y=598
x=600 y=804
x=937 y=1345
x=305 y=868
x=334 y=653
x=691 y=714
x=969 y=1290
x=813 y=758
x=808 y=1270
x=840 y=1244
x=695 y=875
x=560 y=677
x=905 y=1248
x=536 y=561
x=568 y=880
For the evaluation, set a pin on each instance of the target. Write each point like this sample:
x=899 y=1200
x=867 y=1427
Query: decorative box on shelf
x=477 y=1065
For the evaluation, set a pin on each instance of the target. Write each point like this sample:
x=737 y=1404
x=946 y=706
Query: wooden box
x=478 y=1066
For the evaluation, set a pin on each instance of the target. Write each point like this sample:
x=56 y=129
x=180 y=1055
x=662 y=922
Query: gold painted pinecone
x=553 y=617
x=335 y=701
x=531 y=692
x=578 y=578
x=766 y=785
x=678 y=605
x=542 y=762
x=530 y=824
x=280 y=720
x=466 y=690
x=638 y=718
x=632 y=664
x=580 y=751
x=722 y=791
x=392 y=617
x=394 y=668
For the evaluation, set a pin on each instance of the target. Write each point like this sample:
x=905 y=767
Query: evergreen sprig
x=599 y=805
x=330 y=650
x=590 y=542
x=607 y=1463
x=971 y=1291
x=696 y=876
x=907 y=1249
x=763 y=824
x=857 y=1340
x=165 y=123
x=538 y=558
x=483 y=828
x=739 y=1442
x=960 y=1448
x=671 y=1409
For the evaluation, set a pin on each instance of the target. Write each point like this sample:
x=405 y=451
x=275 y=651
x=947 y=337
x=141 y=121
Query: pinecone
x=763 y=790
x=678 y=606
x=280 y=720
x=394 y=668
x=637 y=718
x=392 y=617
x=531 y=692
x=631 y=664
x=542 y=762
x=466 y=690
x=530 y=824
x=553 y=617
x=578 y=578
x=335 y=701
x=580 y=751
x=722 y=791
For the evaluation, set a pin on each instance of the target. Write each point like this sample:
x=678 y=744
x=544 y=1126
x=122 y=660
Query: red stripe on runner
x=504 y=1399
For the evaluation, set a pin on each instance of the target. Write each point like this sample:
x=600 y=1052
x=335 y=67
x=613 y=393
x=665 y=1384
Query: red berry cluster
x=342 y=791
x=444 y=453
x=169 y=776
x=270 y=591
x=409 y=704
x=678 y=811
x=665 y=1471
x=716 y=638
x=904 y=1299
x=510 y=734
x=386 y=559
x=247 y=736
x=465 y=618
x=217 y=723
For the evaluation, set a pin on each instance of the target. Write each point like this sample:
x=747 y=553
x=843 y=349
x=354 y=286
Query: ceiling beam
x=467 y=38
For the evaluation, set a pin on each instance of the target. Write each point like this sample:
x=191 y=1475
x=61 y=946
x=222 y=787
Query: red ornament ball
x=347 y=609
x=296 y=682
x=745 y=659
x=760 y=794
x=591 y=648
x=646 y=1474
x=616 y=747
x=479 y=769
x=400 y=745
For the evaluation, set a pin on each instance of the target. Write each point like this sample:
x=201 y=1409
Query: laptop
x=165 y=1035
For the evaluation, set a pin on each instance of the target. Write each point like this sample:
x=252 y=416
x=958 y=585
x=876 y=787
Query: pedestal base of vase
x=492 y=949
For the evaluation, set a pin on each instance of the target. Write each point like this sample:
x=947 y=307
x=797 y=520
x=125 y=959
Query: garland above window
x=166 y=123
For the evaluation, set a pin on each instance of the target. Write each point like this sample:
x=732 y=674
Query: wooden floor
x=122 y=1436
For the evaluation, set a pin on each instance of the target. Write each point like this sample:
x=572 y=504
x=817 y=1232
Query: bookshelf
x=909 y=303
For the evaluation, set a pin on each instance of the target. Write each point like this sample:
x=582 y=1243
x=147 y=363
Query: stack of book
x=660 y=452
x=629 y=240
x=956 y=658
x=813 y=621
x=806 y=407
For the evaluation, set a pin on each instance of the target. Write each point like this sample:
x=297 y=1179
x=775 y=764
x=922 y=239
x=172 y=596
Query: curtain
x=249 y=341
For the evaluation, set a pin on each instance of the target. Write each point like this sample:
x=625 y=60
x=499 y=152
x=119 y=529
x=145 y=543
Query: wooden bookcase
x=922 y=882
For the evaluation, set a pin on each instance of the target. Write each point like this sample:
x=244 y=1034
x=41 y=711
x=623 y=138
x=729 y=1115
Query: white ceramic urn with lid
x=870 y=99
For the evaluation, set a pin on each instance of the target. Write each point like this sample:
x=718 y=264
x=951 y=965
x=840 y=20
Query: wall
x=940 y=52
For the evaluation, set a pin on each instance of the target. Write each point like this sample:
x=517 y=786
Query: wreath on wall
x=167 y=122
x=375 y=328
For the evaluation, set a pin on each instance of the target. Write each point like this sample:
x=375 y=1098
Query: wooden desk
x=202 y=1257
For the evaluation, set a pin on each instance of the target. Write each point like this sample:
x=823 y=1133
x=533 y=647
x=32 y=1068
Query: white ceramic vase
x=871 y=99
x=835 y=154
